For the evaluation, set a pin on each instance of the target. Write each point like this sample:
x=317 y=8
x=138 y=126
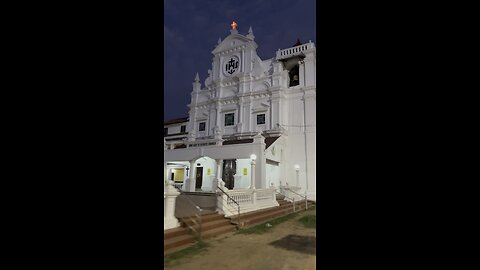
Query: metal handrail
x=198 y=215
x=233 y=200
x=293 y=200
x=306 y=203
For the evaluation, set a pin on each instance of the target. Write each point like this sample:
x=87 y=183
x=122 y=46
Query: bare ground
x=251 y=251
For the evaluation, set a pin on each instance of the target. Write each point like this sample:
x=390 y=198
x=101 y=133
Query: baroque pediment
x=234 y=42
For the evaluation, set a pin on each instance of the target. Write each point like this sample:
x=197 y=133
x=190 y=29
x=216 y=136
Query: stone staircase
x=214 y=224
x=257 y=217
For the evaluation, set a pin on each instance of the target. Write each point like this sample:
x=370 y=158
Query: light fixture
x=253 y=157
x=297 y=167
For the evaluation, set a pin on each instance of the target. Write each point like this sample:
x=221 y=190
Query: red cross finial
x=234 y=25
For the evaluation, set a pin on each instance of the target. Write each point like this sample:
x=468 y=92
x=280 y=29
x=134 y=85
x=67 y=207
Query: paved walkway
x=288 y=245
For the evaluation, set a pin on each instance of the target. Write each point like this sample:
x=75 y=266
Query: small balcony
x=294 y=51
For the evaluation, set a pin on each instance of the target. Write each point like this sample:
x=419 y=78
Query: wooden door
x=199 y=178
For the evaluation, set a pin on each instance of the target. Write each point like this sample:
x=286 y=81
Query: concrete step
x=177 y=241
x=261 y=216
x=205 y=217
x=178 y=238
x=262 y=211
x=217 y=231
x=168 y=234
x=212 y=224
x=298 y=204
x=265 y=217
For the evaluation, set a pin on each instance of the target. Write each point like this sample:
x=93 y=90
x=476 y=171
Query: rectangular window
x=165 y=131
x=260 y=119
x=229 y=119
x=182 y=129
x=201 y=126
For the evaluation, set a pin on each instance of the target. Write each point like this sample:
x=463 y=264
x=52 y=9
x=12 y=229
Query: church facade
x=252 y=124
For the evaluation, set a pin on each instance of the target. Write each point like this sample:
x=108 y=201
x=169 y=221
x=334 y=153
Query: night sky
x=192 y=29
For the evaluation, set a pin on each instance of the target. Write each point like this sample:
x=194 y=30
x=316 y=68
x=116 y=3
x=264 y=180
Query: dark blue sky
x=192 y=29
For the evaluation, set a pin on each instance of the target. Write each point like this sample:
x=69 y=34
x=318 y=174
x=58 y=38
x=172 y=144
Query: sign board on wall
x=208 y=171
x=245 y=172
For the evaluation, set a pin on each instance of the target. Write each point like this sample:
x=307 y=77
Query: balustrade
x=248 y=200
x=297 y=50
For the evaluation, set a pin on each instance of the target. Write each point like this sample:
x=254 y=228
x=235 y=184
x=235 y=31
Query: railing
x=306 y=203
x=178 y=186
x=297 y=50
x=247 y=200
x=197 y=215
x=241 y=196
x=292 y=199
x=230 y=201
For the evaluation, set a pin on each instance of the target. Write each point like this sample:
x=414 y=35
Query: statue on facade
x=217 y=132
x=208 y=80
x=191 y=136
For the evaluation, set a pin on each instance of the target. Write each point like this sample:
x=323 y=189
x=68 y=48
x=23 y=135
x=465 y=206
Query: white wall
x=243 y=181
x=273 y=175
x=297 y=134
x=175 y=128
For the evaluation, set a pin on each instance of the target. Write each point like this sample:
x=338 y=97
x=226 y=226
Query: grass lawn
x=309 y=221
x=198 y=247
x=262 y=228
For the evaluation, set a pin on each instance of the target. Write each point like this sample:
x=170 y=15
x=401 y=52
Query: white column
x=164 y=174
x=219 y=168
x=170 y=195
x=249 y=115
x=191 y=178
x=217 y=118
x=301 y=73
x=221 y=200
x=240 y=116
x=164 y=164
x=252 y=178
x=297 y=183
x=219 y=163
x=186 y=174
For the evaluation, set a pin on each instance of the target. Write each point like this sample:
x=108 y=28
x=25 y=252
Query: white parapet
x=170 y=195
x=248 y=199
x=294 y=51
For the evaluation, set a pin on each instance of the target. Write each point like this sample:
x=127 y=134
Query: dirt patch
x=257 y=251
x=304 y=244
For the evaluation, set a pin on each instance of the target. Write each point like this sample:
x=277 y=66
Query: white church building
x=251 y=125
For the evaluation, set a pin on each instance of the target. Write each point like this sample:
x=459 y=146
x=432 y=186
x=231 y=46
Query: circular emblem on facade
x=231 y=65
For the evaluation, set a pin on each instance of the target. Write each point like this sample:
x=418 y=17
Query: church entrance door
x=199 y=178
x=229 y=170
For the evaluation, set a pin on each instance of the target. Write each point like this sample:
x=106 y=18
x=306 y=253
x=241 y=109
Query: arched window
x=294 y=78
